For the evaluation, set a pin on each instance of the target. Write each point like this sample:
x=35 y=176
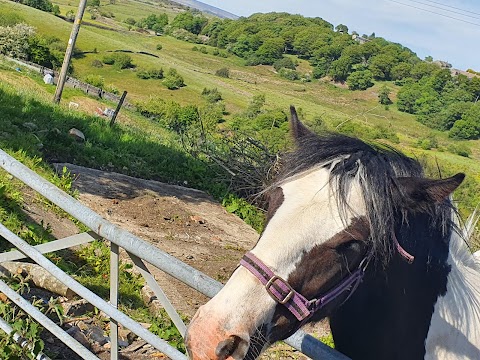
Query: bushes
x=95 y=80
x=97 y=63
x=223 y=72
x=173 y=80
x=285 y=62
x=150 y=73
x=118 y=60
x=14 y=40
x=212 y=95
x=289 y=74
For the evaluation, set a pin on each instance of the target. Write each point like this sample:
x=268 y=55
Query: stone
x=77 y=308
x=95 y=333
x=76 y=333
x=76 y=134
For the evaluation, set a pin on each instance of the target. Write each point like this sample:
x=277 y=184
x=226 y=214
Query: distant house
x=443 y=64
x=456 y=72
x=360 y=39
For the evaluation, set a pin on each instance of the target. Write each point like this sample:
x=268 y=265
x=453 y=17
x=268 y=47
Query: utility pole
x=68 y=54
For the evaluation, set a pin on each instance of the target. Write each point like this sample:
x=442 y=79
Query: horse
x=354 y=232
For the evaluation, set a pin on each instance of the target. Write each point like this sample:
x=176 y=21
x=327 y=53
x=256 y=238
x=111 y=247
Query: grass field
x=335 y=105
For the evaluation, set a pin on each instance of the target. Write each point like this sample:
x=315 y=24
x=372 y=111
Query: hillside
x=322 y=103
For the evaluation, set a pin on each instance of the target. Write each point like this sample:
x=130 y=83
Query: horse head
x=333 y=212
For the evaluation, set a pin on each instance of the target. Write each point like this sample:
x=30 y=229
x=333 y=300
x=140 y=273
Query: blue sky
x=424 y=32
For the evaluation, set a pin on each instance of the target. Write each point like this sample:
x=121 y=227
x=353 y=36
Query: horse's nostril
x=227 y=347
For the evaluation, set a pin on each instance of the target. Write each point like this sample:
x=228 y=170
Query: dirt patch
x=185 y=223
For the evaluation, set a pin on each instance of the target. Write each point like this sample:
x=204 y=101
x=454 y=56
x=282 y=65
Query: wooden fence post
x=120 y=103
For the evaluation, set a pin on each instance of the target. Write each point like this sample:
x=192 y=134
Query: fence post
x=120 y=103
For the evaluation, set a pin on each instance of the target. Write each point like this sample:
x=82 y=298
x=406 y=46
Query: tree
x=423 y=69
x=407 y=96
x=270 y=50
x=401 y=71
x=190 y=22
x=360 y=80
x=464 y=130
x=384 y=95
x=14 y=40
x=381 y=66
x=44 y=5
x=342 y=28
x=340 y=69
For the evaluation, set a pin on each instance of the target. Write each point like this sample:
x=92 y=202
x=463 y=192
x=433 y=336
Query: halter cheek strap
x=296 y=303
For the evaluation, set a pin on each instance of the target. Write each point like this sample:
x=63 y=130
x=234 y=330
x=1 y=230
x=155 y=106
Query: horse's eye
x=351 y=245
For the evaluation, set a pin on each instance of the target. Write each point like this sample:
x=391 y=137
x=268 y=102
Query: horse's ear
x=421 y=190
x=298 y=129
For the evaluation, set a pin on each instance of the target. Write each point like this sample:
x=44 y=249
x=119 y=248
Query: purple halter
x=296 y=303
x=281 y=291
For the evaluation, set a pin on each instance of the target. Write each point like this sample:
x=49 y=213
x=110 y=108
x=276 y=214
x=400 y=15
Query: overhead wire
x=446 y=10
x=453 y=7
x=434 y=12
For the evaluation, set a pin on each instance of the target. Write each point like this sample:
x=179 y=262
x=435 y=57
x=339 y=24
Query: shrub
x=150 y=73
x=285 y=62
x=212 y=95
x=123 y=61
x=289 y=74
x=159 y=47
x=460 y=149
x=97 y=63
x=14 y=40
x=223 y=72
x=119 y=60
x=108 y=59
x=129 y=21
x=173 y=80
x=95 y=80
x=203 y=50
x=111 y=89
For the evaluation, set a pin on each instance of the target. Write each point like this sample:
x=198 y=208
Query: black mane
x=377 y=168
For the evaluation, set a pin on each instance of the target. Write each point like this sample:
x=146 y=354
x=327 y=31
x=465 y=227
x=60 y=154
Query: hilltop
x=207 y=8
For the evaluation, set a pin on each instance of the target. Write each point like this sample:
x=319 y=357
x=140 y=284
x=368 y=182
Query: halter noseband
x=302 y=308
x=296 y=303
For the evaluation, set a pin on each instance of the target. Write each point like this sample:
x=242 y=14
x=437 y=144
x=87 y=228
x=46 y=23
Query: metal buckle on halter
x=269 y=291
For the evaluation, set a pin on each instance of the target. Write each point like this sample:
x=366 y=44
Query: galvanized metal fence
x=139 y=251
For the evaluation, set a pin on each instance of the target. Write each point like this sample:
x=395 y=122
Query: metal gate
x=139 y=251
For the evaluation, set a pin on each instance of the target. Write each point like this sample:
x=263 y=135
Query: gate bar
x=160 y=294
x=133 y=244
x=91 y=297
x=20 y=340
x=46 y=322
